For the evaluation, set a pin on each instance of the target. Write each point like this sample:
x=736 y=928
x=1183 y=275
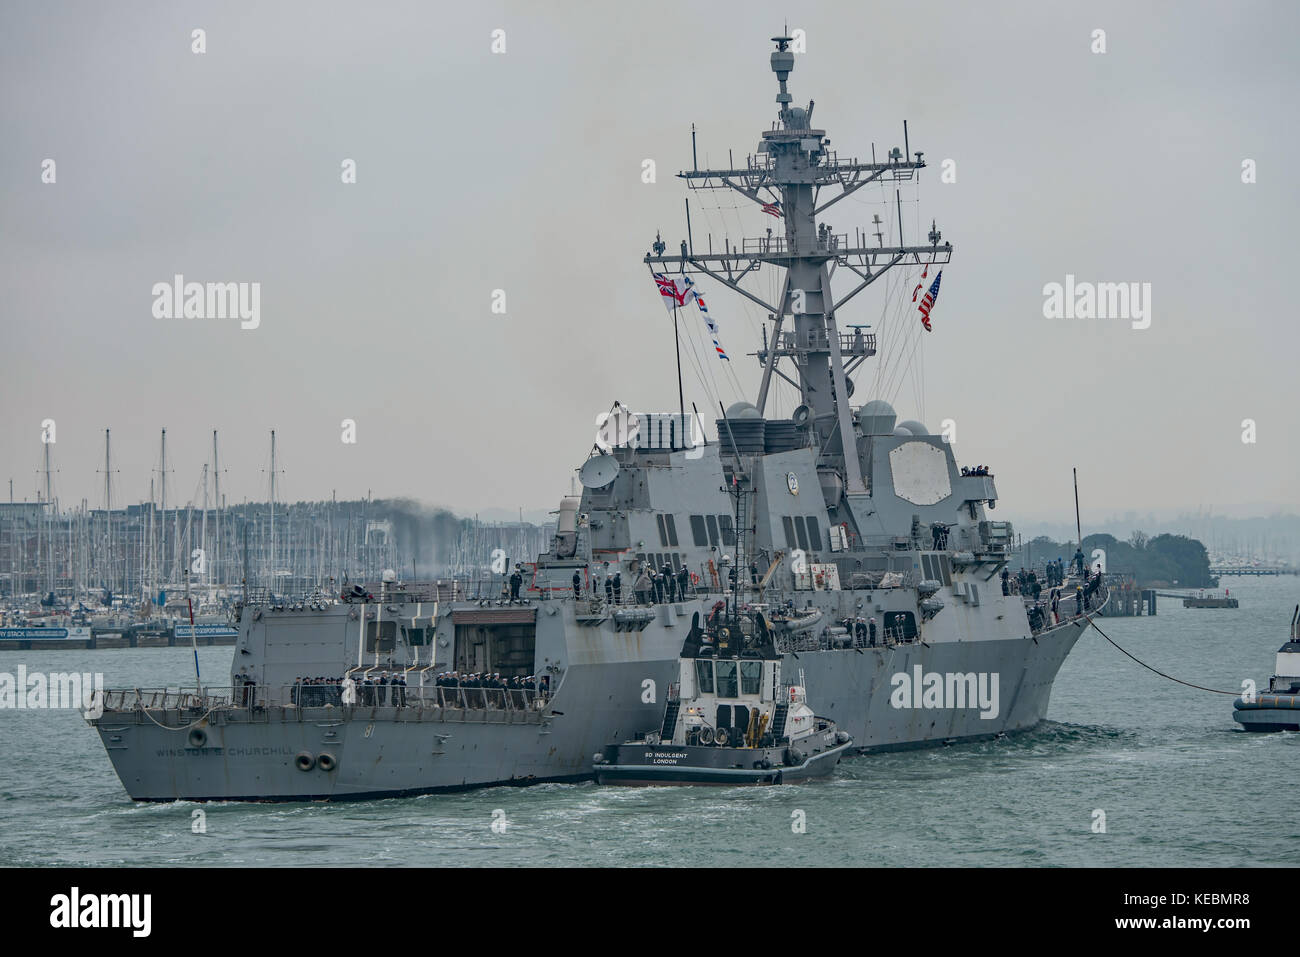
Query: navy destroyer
x=867 y=548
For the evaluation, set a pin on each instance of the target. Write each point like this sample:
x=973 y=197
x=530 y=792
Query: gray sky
x=522 y=172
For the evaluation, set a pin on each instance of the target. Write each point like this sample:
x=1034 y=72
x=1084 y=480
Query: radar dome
x=877 y=417
x=902 y=430
x=743 y=410
x=914 y=427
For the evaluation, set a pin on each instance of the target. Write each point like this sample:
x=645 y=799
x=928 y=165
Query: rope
x=193 y=724
x=1156 y=670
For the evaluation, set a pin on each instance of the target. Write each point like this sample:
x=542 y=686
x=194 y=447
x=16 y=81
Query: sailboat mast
x=49 y=528
x=203 y=525
x=216 y=495
x=108 y=504
x=162 y=518
x=272 y=569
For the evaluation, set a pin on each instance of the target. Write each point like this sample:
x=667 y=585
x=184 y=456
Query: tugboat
x=729 y=720
x=1279 y=709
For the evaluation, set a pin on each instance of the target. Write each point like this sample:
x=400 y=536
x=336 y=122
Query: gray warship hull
x=855 y=688
x=441 y=744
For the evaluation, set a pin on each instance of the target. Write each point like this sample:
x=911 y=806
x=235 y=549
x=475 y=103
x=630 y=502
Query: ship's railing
x=164 y=699
x=820 y=639
x=451 y=589
x=257 y=697
x=489 y=699
x=1066 y=607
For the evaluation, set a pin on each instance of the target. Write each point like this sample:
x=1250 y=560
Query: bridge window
x=726 y=679
x=663 y=533
x=704 y=675
x=671 y=522
x=751 y=676
x=697 y=531
x=801 y=530
x=814 y=535
x=713 y=529
x=728 y=528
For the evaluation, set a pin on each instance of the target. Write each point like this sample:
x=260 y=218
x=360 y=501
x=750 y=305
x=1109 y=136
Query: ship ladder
x=778 y=720
x=670 y=721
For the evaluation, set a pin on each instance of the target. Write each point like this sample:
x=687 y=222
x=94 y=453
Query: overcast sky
x=522 y=172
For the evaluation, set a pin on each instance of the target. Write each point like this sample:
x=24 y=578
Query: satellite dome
x=743 y=410
x=902 y=430
x=877 y=417
x=914 y=427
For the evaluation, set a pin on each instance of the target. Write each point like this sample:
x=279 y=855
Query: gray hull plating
x=381 y=752
x=854 y=687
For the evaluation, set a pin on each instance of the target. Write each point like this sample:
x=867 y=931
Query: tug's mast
x=793 y=164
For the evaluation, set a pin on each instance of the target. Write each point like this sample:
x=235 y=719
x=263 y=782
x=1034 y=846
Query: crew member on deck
x=670 y=582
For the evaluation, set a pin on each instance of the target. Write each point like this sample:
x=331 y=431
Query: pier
x=42 y=639
x=1129 y=601
x=1232 y=570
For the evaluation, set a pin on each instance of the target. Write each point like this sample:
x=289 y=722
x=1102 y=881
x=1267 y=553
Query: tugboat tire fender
x=706 y=735
x=722 y=736
x=794 y=756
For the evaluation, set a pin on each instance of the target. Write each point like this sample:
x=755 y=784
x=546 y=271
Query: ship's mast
x=794 y=163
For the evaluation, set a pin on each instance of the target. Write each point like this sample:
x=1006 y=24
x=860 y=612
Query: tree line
x=1162 y=560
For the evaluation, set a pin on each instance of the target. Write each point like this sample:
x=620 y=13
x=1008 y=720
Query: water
x=1178 y=784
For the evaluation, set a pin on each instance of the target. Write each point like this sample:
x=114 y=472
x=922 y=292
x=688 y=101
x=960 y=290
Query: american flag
x=928 y=300
x=773 y=209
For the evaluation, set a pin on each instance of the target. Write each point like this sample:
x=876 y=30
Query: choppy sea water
x=1179 y=785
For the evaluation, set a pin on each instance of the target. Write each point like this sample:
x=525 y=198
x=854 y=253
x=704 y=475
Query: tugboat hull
x=639 y=763
x=1268 y=712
